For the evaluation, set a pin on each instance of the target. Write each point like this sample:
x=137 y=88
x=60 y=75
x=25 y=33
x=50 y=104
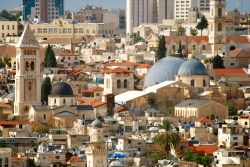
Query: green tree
x=180 y=49
x=203 y=24
x=207 y=160
x=232 y=110
x=181 y=31
x=193 y=31
x=135 y=37
x=45 y=90
x=217 y=62
x=167 y=140
x=188 y=156
x=2 y=65
x=7 y=61
x=50 y=58
x=161 y=50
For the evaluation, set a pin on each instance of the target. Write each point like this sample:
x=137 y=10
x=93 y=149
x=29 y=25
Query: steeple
x=27 y=39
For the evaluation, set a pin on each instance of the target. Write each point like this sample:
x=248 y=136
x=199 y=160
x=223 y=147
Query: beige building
x=63 y=29
x=8 y=28
x=5 y=157
x=28 y=73
x=217 y=27
x=201 y=108
x=118 y=80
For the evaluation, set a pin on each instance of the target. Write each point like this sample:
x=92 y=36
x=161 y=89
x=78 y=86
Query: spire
x=28 y=39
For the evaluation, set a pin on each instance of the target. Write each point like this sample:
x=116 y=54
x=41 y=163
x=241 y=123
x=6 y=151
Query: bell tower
x=217 y=27
x=28 y=73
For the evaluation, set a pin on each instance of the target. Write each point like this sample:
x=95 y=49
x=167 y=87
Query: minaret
x=217 y=27
x=28 y=73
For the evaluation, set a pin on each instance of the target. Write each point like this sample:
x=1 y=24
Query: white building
x=147 y=11
x=230 y=135
x=182 y=7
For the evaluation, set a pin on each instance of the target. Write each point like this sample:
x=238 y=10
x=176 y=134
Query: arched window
x=6 y=162
x=232 y=47
x=118 y=83
x=219 y=12
x=44 y=116
x=125 y=84
x=29 y=86
x=27 y=64
x=219 y=27
x=25 y=52
x=64 y=101
x=204 y=83
x=32 y=65
x=54 y=101
x=26 y=109
x=83 y=116
x=192 y=82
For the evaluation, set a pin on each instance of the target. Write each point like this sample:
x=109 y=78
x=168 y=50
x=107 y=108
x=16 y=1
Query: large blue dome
x=192 y=67
x=163 y=70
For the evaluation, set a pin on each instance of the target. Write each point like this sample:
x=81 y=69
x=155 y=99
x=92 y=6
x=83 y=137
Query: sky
x=77 y=4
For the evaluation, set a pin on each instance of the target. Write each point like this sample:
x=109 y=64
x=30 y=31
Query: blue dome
x=163 y=70
x=192 y=67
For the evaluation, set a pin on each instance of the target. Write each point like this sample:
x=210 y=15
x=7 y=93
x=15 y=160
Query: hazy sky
x=77 y=4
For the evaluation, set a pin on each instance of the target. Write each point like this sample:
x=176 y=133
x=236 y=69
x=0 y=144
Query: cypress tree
x=50 y=58
x=161 y=51
x=203 y=24
x=45 y=90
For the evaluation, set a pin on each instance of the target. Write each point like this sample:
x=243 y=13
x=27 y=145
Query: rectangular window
x=235 y=138
x=2 y=27
x=203 y=47
x=13 y=27
x=8 y=27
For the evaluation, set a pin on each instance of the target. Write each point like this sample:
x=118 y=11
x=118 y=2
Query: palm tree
x=167 y=139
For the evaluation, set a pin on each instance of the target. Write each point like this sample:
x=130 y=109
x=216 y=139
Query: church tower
x=217 y=27
x=28 y=73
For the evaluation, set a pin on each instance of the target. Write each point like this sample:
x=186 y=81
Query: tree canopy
x=45 y=90
x=135 y=37
x=217 y=62
x=50 y=58
x=203 y=24
x=193 y=31
x=181 y=31
x=168 y=139
x=161 y=50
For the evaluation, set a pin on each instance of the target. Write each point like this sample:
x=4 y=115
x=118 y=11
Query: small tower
x=28 y=73
x=97 y=155
x=217 y=27
x=97 y=150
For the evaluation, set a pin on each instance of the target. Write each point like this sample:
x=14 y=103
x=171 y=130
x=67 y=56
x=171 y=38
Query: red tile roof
x=238 y=39
x=93 y=102
x=199 y=39
x=236 y=71
x=93 y=89
x=117 y=70
x=144 y=66
x=203 y=120
x=3 y=105
x=204 y=149
x=75 y=159
x=8 y=50
x=121 y=64
x=238 y=53
x=6 y=123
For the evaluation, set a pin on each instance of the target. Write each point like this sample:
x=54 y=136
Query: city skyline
x=232 y=4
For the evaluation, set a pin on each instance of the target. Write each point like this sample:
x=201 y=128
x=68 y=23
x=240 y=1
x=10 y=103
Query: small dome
x=192 y=67
x=96 y=124
x=61 y=89
x=163 y=70
x=116 y=164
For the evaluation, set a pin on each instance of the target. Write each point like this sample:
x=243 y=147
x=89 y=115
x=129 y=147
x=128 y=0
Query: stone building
x=63 y=29
x=118 y=80
x=28 y=73
x=201 y=108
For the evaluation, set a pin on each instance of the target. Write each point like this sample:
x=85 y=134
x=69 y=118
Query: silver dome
x=192 y=67
x=163 y=70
